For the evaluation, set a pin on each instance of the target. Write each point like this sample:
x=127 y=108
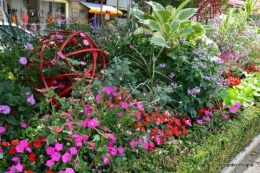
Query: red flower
x=184 y=130
x=233 y=81
x=176 y=131
x=15 y=142
x=28 y=171
x=73 y=41
x=37 y=143
x=14 y=112
x=177 y=121
x=5 y=144
x=12 y=151
x=49 y=171
x=201 y=111
x=154 y=132
x=168 y=133
x=32 y=157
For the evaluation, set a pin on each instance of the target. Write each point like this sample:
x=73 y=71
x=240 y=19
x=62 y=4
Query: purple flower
x=124 y=105
x=120 y=114
x=60 y=37
x=23 y=125
x=73 y=151
x=58 y=146
x=174 y=84
x=4 y=109
x=29 y=46
x=69 y=170
x=105 y=160
x=112 y=151
x=49 y=163
x=66 y=157
x=120 y=150
x=207 y=118
x=206 y=112
x=162 y=65
x=157 y=140
x=133 y=143
x=198 y=121
x=112 y=137
x=31 y=100
x=50 y=150
x=53 y=61
x=172 y=75
x=233 y=109
x=19 y=167
x=55 y=156
x=59 y=53
x=92 y=123
x=23 y=61
x=2 y=129
x=82 y=63
x=188 y=123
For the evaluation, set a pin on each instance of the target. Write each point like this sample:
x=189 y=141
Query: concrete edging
x=229 y=168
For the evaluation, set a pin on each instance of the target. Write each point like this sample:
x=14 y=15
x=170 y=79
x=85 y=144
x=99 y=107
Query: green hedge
x=222 y=147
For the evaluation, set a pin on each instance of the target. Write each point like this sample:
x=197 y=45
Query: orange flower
x=15 y=142
x=5 y=144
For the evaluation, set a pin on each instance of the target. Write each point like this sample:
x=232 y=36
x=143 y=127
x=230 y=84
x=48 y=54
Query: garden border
x=248 y=148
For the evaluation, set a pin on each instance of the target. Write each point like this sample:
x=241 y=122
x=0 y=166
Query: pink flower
x=66 y=157
x=238 y=104
x=112 y=151
x=138 y=116
x=59 y=37
x=113 y=137
x=78 y=139
x=98 y=97
x=157 y=140
x=2 y=129
x=133 y=143
x=188 y=123
x=23 y=125
x=55 y=156
x=120 y=150
x=207 y=112
x=82 y=34
x=4 y=109
x=19 y=167
x=23 y=61
x=49 y=163
x=50 y=150
x=207 y=118
x=85 y=42
x=92 y=123
x=110 y=143
x=59 y=53
x=87 y=107
x=224 y=116
x=16 y=159
x=69 y=170
x=124 y=105
x=29 y=46
x=19 y=149
x=120 y=114
x=233 y=109
x=198 y=121
x=28 y=149
x=105 y=160
x=31 y=100
x=140 y=106
x=24 y=143
x=73 y=151
x=58 y=146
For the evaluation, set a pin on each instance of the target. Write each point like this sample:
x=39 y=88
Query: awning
x=95 y=8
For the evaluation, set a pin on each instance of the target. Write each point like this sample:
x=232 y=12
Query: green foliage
x=167 y=25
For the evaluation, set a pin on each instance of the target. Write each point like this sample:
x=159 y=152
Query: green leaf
x=51 y=138
x=186 y=14
x=167 y=28
x=186 y=23
x=11 y=120
x=156 y=6
x=186 y=31
x=96 y=138
x=139 y=15
x=73 y=62
x=180 y=7
x=82 y=163
x=175 y=25
x=159 y=41
x=153 y=25
x=164 y=15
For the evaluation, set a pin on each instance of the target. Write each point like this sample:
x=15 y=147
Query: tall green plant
x=168 y=25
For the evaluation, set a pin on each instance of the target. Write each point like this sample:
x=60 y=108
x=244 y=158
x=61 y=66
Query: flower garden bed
x=174 y=95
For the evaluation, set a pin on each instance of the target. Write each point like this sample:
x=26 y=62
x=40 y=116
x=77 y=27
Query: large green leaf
x=175 y=25
x=159 y=41
x=186 y=14
x=156 y=6
x=164 y=15
x=185 y=24
x=166 y=28
x=186 y=31
x=153 y=25
x=139 y=15
x=180 y=7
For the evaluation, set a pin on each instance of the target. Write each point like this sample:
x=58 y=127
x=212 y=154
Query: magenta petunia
x=50 y=150
x=69 y=170
x=59 y=53
x=120 y=150
x=105 y=160
x=2 y=129
x=73 y=151
x=31 y=100
x=49 y=163
x=23 y=125
x=238 y=104
x=133 y=143
x=4 y=109
x=112 y=151
x=224 y=116
x=233 y=109
x=19 y=149
x=120 y=114
x=157 y=140
x=198 y=121
x=58 y=146
x=98 y=97
x=56 y=156
x=93 y=123
x=207 y=118
x=19 y=167
x=124 y=105
x=24 y=143
x=66 y=157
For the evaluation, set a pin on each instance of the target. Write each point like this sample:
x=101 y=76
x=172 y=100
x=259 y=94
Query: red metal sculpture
x=64 y=56
x=208 y=9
